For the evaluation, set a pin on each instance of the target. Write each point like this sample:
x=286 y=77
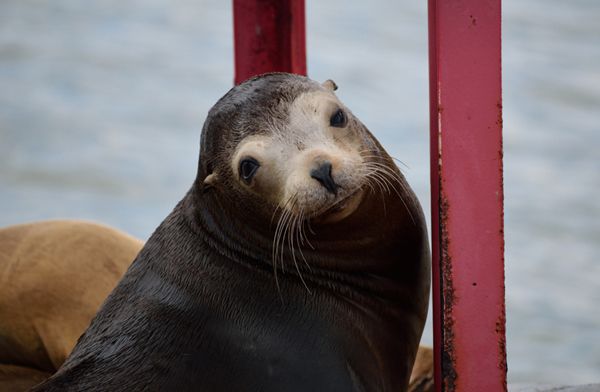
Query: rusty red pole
x=269 y=35
x=467 y=195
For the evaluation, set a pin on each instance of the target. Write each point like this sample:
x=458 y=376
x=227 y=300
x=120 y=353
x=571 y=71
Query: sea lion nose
x=323 y=174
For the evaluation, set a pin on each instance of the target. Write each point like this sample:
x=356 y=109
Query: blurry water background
x=102 y=102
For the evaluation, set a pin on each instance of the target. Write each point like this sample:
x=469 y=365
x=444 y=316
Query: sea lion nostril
x=323 y=174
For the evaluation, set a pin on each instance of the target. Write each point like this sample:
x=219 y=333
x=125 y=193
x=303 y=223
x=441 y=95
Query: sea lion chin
x=297 y=261
x=341 y=209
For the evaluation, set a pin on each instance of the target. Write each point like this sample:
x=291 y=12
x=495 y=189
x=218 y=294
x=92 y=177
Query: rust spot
x=501 y=321
x=440 y=109
x=499 y=120
x=501 y=332
x=501 y=196
x=449 y=373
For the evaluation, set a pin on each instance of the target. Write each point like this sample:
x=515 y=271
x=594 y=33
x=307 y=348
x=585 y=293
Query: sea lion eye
x=248 y=168
x=338 y=119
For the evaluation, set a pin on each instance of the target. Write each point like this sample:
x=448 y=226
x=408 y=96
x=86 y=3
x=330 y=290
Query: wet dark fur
x=199 y=308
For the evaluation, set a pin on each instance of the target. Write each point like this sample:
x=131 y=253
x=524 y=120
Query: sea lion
x=20 y=378
x=42 y=244
x=53 y=277
x=297 y=261
x=422 y=378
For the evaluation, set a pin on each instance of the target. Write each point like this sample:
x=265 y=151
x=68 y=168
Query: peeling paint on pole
x=467 y=195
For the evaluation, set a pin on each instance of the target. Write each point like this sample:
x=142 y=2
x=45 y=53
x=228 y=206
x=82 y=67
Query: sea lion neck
x=360 y=252
x=225 y=231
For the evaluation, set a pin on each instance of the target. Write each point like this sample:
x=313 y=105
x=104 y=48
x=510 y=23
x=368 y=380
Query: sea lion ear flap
x=210 y=180
x=329 y=85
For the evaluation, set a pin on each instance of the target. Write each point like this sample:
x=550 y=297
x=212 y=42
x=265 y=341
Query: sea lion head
x=282 y=142
x=283 y=160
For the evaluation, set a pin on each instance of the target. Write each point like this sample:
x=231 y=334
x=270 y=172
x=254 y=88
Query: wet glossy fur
x=199 y=308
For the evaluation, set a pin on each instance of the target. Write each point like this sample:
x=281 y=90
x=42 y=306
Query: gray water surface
x=102 y=102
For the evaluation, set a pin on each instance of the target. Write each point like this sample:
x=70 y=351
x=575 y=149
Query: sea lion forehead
x=269 y=91
x=247 y=108
x=253 y=105
x=301 y=122
x=315 y=101
x=288 y=103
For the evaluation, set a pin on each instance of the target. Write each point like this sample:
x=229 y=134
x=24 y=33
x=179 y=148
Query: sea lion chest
x=241 y=338
x=217 y=326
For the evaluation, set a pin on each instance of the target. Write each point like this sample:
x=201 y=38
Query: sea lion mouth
x=341 y=208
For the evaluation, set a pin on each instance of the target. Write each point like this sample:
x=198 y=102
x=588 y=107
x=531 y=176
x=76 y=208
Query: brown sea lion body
x=422 y=378
x=20 y=378
x=54 y=275
x=293 y=263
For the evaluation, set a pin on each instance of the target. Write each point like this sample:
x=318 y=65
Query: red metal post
x=467 y=195
x=269 y=36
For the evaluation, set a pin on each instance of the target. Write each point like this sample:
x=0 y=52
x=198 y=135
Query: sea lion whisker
x=289 y=235
x=280 y=233
x=301 y=239
x=376 y=175
x=373 y=157
x=395 y=178
x=382 y=167
x=278 y=208
x=400 y=162
x=376 y=182
x=301 y=230
x=275 y=253
x=369 y=150
x=288 y=232
x=279 y=228
x=276 y=246
x=291 y=242
x=386 y=172
x=290 y=239
x=306 y=223
x=390 y=177
x=283 y=234
x=310 y=229
x=283 y=237
x=379 y=156
x=364 y=173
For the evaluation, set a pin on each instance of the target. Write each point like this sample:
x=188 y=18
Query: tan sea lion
x=53 y=277
x=421 y=378
x=20 y=378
